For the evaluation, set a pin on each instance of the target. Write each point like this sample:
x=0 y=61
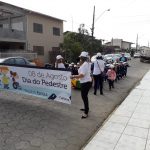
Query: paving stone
x=36 y=142
x=17 y=133
x=22 y=145
x=48 y=146
x=60 y=143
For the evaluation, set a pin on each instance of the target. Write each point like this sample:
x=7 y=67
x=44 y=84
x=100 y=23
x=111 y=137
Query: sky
x=125 y=20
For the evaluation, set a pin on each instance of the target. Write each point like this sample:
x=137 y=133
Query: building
x=23 y=30
x=122 y=45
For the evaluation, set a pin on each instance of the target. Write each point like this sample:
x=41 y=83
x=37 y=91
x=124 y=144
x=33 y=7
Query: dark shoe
x=84 y=116
x=101 y=93
x=82 y=109
x=94 y=93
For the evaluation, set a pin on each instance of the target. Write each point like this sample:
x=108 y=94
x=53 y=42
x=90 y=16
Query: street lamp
x=102 y=14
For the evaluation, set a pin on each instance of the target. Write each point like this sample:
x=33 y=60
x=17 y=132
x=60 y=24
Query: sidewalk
x=128 y=127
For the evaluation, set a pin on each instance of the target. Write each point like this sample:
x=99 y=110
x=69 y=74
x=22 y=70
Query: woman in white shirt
x=59 y=62
x=99 y=66
x=85 y=81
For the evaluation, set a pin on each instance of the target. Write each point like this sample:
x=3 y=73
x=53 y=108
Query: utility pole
x=92 y=29
x=136 y=42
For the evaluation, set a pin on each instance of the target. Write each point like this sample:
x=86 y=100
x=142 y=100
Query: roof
x=121 y=41
x=128 y=42
x=30 y=11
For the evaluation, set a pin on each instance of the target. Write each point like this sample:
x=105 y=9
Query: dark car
x=21 y=61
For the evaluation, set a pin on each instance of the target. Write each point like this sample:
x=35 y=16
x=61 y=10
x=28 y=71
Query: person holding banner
x=59 y=62
x=85 y=81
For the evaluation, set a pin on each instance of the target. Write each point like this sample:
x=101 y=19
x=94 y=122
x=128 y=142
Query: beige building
x=123 y=45
x=22 y=30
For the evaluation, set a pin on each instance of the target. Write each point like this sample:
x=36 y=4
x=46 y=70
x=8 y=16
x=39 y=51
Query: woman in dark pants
x=99 y=66
x=85 y=81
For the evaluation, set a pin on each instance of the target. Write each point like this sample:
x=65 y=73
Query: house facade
x=22 y=30
x=123 y=45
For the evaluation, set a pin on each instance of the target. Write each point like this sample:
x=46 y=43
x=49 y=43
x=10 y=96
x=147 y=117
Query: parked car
x=21 y=61
x=111 y=57
x=137 y=55
x=49 y=66
x=108 y=57
x=128 y=56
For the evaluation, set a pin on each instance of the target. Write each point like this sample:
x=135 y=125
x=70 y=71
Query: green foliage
x=74 y=43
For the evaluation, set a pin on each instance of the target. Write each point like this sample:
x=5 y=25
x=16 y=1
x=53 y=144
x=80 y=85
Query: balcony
x=12 y=34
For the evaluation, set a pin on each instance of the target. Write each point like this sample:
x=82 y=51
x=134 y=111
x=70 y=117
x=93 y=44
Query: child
x=111 y=76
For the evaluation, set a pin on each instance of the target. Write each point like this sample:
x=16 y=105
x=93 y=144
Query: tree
x=74 y=43
x=71 y=46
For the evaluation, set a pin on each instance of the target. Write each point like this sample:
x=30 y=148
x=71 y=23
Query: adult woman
x=99 y=66
x=59 y=62
x=85 y=81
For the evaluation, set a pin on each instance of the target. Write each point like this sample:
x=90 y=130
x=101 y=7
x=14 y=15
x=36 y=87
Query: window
x=39 y=50
x=37 y=28
x=56 y=31
x=10 y=61
x=20 y=61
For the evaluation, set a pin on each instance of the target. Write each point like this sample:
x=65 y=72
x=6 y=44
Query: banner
x=50 y=84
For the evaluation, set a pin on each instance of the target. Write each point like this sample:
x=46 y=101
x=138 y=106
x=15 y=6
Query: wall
x=126 y=45
x=46 y=39
x=116 y=42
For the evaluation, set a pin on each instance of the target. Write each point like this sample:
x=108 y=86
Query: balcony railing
x=12 y=34
x=29 y=56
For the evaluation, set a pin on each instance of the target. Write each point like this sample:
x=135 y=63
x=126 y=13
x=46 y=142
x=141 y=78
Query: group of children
x=112 y=72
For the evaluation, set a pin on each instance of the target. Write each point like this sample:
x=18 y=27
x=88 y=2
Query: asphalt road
x=30 y=123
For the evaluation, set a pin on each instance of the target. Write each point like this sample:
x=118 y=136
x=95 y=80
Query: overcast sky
x=125 y=20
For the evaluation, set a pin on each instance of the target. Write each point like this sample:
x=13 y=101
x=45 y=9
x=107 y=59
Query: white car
x=137 y=55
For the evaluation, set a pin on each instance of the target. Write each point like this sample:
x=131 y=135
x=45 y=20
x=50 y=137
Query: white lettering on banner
x=48 y=76
x=50 y=84
x=56 y=77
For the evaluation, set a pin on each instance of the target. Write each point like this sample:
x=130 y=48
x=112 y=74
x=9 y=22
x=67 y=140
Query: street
x=31 y=123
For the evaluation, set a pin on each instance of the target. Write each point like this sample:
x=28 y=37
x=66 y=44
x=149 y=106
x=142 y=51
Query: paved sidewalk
x=128 y=127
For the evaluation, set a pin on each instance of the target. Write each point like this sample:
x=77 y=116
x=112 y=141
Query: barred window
x=56 y=31
x=39 y=50
x=37 y=28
